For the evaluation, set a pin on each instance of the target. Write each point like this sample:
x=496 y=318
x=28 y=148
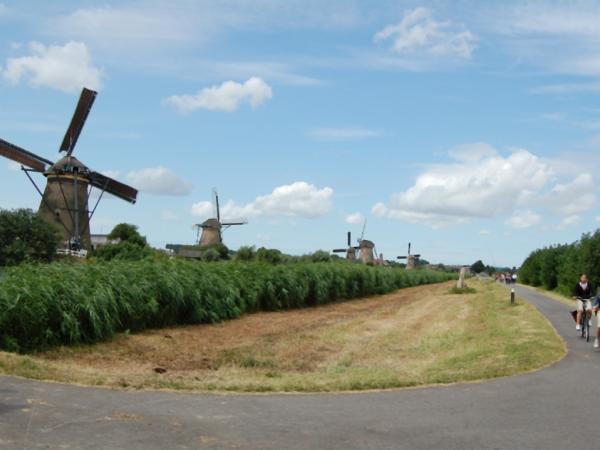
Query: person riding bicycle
x=583 y=291
x=596 y=308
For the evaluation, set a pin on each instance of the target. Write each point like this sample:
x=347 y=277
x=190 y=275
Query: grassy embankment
x=414 y=336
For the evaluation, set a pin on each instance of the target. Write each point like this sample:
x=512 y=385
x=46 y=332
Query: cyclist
x=583 y=290
x=596 y=306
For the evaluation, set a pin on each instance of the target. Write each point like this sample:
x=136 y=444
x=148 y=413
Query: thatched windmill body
x=68 y=181
x=411 y=259
x=211 y=229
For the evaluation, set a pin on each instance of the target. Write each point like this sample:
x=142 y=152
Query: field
x=414 y=336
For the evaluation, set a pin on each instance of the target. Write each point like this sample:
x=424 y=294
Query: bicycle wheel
x=587 y=327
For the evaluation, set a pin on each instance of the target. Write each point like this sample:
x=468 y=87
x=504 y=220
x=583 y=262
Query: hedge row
x=64 y=304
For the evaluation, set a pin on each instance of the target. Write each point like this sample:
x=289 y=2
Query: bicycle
x=586 y=318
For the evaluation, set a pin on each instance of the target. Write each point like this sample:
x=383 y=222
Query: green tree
x=24 y=236
x=270 y=255
x=477 y=267
x=126 y=232
x=131 y=246
x=245 y=253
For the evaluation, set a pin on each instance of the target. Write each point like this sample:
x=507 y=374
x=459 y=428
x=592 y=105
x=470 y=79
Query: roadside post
x=512 y=296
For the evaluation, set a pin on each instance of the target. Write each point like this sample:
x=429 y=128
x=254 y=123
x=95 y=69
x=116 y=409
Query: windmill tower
x=69 y=182
x=212 y=228
x=350 y=251
x=410 y=259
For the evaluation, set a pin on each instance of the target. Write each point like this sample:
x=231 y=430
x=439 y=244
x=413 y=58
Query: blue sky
x=469 y=128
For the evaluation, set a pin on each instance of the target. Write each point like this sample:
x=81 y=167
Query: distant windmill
x=69 y=181
x=211 y=228
x=410 y=259
x=365 y=247
x=350 y=251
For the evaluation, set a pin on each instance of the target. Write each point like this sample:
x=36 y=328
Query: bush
x=320 y=256
x=123 y=251
x=245 y=253
x=24 y=236
x=269 y=255
x=65 y=304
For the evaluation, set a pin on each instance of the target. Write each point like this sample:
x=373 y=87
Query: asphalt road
x=554 y=408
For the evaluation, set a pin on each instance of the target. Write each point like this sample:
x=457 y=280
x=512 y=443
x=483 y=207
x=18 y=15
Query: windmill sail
x=22 y=156
x=86 y=100
x=113 y=187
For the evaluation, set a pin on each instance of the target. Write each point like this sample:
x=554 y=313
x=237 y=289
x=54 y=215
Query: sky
x=471 y=129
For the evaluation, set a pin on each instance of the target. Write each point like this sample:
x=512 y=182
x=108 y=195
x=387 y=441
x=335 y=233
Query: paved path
x=542 y=410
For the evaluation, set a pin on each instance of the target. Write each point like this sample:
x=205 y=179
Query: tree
x=477 y=267
x=24 y=236
x=269 y=255
x=131 y=246
x=126 y=232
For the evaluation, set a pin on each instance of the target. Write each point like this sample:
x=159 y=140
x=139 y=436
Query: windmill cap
x=68 y=164
x=210 y=223
x=366 y=244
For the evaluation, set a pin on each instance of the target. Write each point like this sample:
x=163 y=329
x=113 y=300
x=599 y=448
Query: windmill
x=68 y=181
x=365 y=248
x=410 y=259
x=212 y=228
x=350 y=251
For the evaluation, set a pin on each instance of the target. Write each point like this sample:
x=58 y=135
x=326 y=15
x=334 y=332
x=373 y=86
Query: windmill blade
x=216 y=205
x=234 y=222
x=339 y=250
x=362 y=235
x=86 y=100
x=408 y=249
x=416 y=256
x=113 y=187
x=22 y=156
x=401 y=257
x=349 y=238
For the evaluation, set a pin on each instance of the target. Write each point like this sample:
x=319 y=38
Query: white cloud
x=557 y=36
x=573 y=198
x=299 y=199
x=226 y=97
x=419 y=34
x=203 y=209
x=569 y=221
x=484 y=232
x=523 y=219
x=67 y=68
x=355 y=218
x=343 y=134
x=159 y=181
x=475 y=185
x=160 y=22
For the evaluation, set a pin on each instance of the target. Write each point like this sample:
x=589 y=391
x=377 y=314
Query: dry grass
x=414 y=336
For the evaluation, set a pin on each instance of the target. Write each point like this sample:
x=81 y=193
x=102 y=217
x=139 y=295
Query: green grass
x=42 y=306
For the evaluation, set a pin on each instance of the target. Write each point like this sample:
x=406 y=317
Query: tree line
x=558 y=267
